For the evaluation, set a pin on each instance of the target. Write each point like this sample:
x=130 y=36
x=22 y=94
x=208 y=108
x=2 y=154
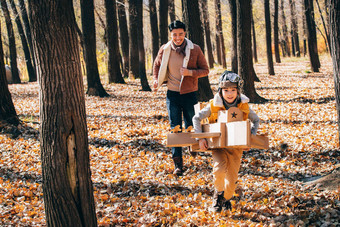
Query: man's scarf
x=179 y=49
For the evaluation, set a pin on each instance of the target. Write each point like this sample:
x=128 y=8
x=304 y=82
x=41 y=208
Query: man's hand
x=203 y=144
x=155 y=85
x=185 y=72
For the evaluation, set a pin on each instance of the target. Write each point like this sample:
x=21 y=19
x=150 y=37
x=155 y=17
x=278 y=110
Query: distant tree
x=206 y=23
x=154 y=28
x=268 y=38
x=295 y=29
x=195 y=32
x=11 y=41
x=94 y=85
x=311 y=34
x=133 y=40
x=245 y=63
x=326 y=27
x=30 y=70
x=276 y=31
x=233 y=14
x=67 y=186
x=334 y=22
x=115 y=75
x=163 y=20
x=141 y=51
x=284 y=29
x=7 y=110
x=124 y=36
x=172 y=10
x=253 y=36
x=304 y=27
x=219 y=34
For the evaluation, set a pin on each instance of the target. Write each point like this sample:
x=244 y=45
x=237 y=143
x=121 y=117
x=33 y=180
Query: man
x=179 y=64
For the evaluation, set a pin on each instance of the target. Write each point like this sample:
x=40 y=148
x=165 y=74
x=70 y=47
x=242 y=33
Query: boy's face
x=229 y=94
x=177 y=36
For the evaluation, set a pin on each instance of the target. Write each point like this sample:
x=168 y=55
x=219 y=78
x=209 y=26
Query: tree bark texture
x=124 y=36
x=304 y=27
x=11 y=41
x=295 y=28
x=172 y=10
x=276 y=31
x=195 y=31
x=206 y=23
x=268 y=38
x=94 y=85
x=163 y=20
x=30 y=70
x=154 y=28
x=133 y=40
x=141 y=50
x=233 y=14
x=7 y=110
x=219 y=33
x=311 y=36
x=115 y=75
x=67 y=186
x=285 y=29
x=334 y=22
x=245 y=63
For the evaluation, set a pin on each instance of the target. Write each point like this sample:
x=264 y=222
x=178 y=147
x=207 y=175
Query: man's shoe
x=178 y=161
x=219 y=201
x=227 y=205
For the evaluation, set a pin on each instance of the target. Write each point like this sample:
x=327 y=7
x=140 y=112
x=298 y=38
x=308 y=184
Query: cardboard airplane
x=230 y=131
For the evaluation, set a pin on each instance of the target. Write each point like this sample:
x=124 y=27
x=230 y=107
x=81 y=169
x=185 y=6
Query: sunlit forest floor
x=132 y=168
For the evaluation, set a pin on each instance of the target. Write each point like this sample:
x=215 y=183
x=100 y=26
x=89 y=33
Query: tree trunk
x=94 y=86
x=163 y=20
x=334 y=22
x=233 y=14
x=30 y=70
x=12 y=45
x=276 y=31
x=268 y=38
x=115 y=75
x=133 y=41
x=245 y=63
x=295 y=28
x=293 y=43
x=7 y=110
x=67 y=186
x=124 y=37
x=172 y=11
x=311 y=34
x=206 y=23
x=326 y=28
x=195 y=31
x=284 y=29
x=254 y=38
x=219 y=33
x=141 y=51
x=154 y=28
x=304 y=27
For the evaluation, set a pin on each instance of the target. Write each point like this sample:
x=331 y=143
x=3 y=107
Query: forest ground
x=132 y=168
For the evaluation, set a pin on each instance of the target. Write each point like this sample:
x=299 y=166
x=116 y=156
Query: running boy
x=226 y=162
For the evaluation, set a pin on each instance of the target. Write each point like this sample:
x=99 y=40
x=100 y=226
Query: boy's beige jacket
x=194 y=60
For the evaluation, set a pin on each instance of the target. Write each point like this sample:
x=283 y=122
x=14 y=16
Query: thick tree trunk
x=253 y=37
x=124 y=37
x=141 y=51
x=284 y=29
x=304 y=27
x=195 y=31
x=30 y=70
x=219 y=33
x=172 y=10
x=154 y=28
x=311 y=34
x=115 y=75
x=204 y=9
x=94 y=85
x=7 y=110
x=334 y=22
x=133 y=41
x=245 y=63
x=268 y=38
x=276 y=31
x=12 y=45
x=295 y=28
x=233 y=14
x=67 y=186
x=163 y=20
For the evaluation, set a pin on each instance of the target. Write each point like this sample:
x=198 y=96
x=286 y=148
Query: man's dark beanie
x=176 y=24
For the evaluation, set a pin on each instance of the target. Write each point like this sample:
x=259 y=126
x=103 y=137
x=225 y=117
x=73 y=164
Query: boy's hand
x=203 y=143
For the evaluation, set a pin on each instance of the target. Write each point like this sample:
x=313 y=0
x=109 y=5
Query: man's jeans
x=177 y=106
